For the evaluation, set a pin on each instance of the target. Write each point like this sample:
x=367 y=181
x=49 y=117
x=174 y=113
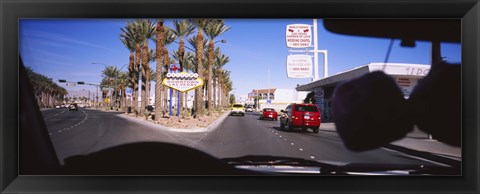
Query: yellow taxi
x=237 y=109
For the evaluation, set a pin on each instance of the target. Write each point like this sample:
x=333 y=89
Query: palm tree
x=129 y=43
x=110 y=73
x=146 y=30
x=228 y=88
x=226 y=84
x=200 y=25
x=138 y=32
x=214 y=29
x=123 y=83
x=130 y=37
x=220 y=61
x=182 y=29
x=47 y=93
x=160 y=36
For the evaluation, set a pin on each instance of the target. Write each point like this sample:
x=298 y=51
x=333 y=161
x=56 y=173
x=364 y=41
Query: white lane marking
x=292 y=144
x=55 y=115
x=300 y=149
x=76 y=124
x=312 y=157
x=280 y=136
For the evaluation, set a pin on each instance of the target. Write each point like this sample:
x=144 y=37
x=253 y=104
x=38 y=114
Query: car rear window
x=268 y=109
x=302 y=108
x=237 y=105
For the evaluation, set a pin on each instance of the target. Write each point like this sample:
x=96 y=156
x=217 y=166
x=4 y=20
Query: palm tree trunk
x=214 y=92
x=165 y=89
x=131 y=70
x=199 y=91
x=210 y=78
x=159 y=72
x=137 y=68
x=146 y=79
x=142 y=103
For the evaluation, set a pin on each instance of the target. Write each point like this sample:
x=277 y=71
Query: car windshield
x=302 y=108
x=127 y=92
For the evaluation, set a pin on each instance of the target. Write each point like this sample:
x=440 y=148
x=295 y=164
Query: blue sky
x=66 y=49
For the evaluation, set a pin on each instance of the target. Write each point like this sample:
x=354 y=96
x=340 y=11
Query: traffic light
x=81 y=83
x=62 y=80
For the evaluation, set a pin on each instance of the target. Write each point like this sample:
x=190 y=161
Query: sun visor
x=442 y=30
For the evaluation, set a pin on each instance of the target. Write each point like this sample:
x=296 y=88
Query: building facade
x=275 y=98
x=405 y=75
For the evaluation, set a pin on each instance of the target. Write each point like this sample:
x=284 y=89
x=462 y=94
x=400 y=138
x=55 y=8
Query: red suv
x=301 y=116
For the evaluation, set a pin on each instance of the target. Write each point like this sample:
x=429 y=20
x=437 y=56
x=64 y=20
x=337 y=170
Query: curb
x=210 y=127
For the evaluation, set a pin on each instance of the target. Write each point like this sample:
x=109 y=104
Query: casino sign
x=183 y=81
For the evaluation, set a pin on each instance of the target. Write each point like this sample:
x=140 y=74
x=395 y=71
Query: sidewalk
x=150 y=123
x=416 y=140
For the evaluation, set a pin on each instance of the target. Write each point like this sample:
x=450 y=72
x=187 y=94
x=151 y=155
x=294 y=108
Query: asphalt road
x=86 y=131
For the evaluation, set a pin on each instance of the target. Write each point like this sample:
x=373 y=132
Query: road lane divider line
x=55 y=115
x=76 y=124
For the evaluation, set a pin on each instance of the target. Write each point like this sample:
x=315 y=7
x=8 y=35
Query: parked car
x=73 y=106
x=237 y=109
x=249 y=109
x=269 y=113
x=58 y=106
x=301 y=116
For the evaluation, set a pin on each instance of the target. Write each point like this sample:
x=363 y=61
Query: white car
x=248 y=109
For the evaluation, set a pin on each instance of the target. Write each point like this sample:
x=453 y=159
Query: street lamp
x=222 y=41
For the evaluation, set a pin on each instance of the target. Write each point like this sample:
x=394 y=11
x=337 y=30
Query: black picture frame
x=11 y=11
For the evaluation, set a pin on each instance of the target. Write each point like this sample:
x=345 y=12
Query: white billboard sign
x=299 y=66
x=299 y=36
x=182 y=81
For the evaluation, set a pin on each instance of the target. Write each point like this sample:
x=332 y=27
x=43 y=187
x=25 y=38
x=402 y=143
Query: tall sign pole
x=174 y=70
x=315 y=47
x=300 y=36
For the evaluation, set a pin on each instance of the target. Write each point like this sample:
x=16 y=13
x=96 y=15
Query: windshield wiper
x=266 y=160
x=339 y=168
